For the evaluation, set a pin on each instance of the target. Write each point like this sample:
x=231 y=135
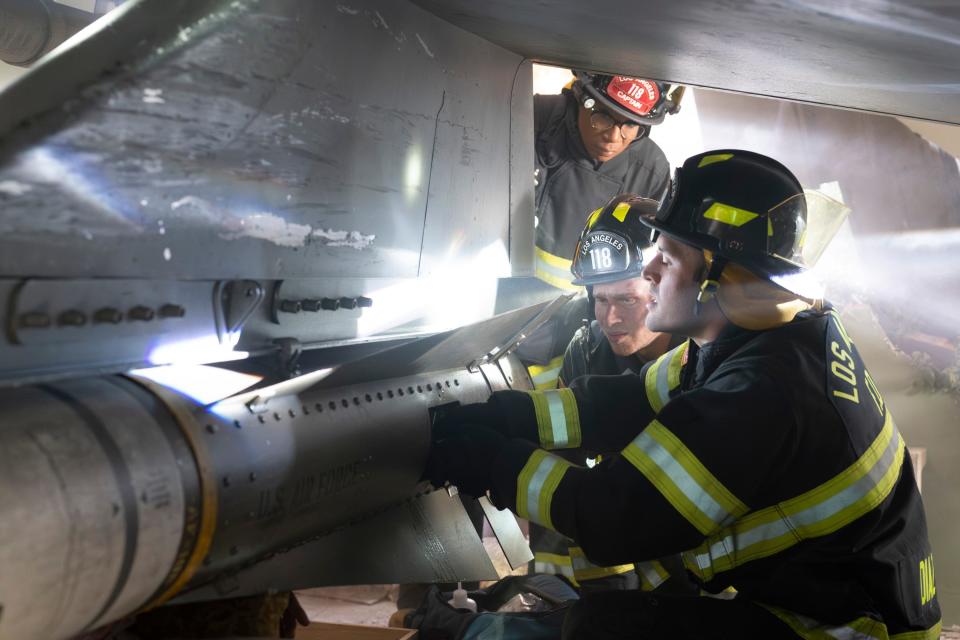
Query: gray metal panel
x=900 y=57
x=269 y=139
x=522 y=208
x=429 y=539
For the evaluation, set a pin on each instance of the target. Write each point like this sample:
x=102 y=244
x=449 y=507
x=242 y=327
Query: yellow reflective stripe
x=652 y=575
x=818 y=512
x=558 y=420
x=860 y=629
x=676 y=366
x=933 y=633
x=682 y=479
x=553 y=270
x=620 y=211
x=592 y=220
x=729 y=215
x=717 y=157
x=583 y=569
x=663 y=376
x=536 y=484
x=546 y=376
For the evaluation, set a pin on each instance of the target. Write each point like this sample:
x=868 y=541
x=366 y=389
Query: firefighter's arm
x=596 y=413
x=689 y=473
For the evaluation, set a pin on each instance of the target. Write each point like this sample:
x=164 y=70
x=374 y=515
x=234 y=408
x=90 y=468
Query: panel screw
x=330 y=304
x=290 y=306
x=172 y=311
x=310 y=305
x=34 y=320
x=107 y=315
x=141 y=313
x=364 y=302
x=348 y=303
x=72 y=318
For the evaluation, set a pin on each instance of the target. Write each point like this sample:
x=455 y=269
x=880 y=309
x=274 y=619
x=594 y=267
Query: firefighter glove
x=463 y=455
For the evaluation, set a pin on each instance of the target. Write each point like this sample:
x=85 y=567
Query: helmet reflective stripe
x=732 y=215
x=620 y=211
x=558 y=421
x=818 y=512
x=593 y=217
x=683 y=480
x=536 y=484
x=716 y=157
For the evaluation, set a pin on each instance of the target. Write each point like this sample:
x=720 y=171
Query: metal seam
x=208 y=493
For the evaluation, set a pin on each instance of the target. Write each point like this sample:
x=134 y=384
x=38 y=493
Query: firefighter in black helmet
x=591 y=144
x=761 y=449
x=608 y=261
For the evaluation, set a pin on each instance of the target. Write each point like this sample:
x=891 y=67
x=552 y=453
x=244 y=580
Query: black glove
x=486 y=414
x=463 y=454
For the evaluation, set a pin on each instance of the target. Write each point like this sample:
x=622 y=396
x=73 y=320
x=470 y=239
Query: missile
x=118 y=493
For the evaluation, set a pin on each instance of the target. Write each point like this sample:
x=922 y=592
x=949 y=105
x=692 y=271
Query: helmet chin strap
x=710 y=284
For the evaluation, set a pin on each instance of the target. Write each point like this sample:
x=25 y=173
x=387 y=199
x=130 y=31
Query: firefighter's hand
x=485 y=414
x=463 y=454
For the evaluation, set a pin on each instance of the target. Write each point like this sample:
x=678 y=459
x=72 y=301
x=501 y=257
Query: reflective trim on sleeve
x=554 y=564
x=536 y=484
x=558 y=420
x=821 y=511
x=860 y=629
x=682 y=479
x=583 y=569
x=553 y=270
x=546 y=376
x=652 y=575
x=663 y=376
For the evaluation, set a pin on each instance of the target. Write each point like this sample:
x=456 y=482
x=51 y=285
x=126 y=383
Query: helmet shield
x=612 y=242
x=825 y=216
x=603 y=256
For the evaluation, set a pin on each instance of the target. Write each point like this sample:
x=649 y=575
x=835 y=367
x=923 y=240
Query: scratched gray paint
x=263 y=140
x=899 y=57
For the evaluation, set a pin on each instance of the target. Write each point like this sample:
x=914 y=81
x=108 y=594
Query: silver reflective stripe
x=546 y=376
x=810 y=628
x=810 y=517
x=663 y=375
x=553 y=569
x=684 y=481
x=852 y=494
x=558 y=420
x=536 y=486
x=650 y=574
x=846 y=633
